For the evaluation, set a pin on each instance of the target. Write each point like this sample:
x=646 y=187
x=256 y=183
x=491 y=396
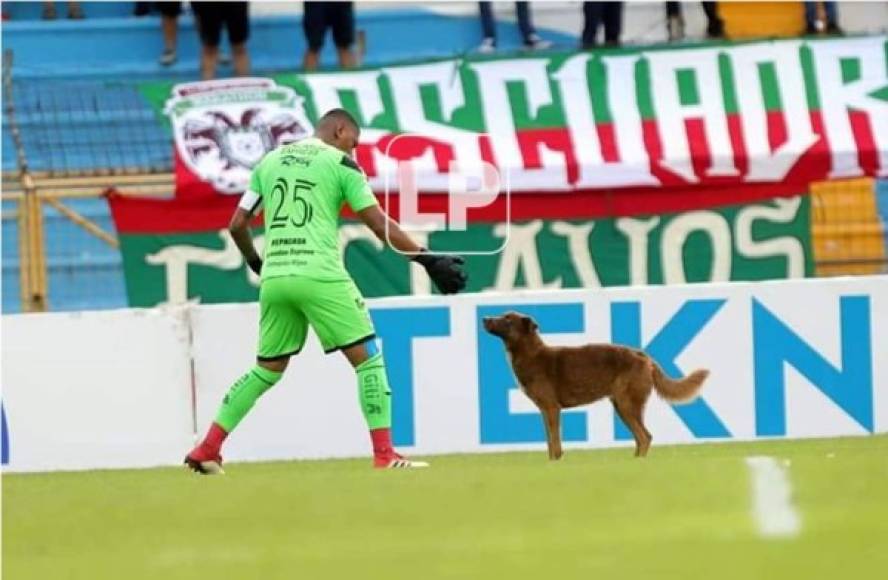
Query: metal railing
x=27 y=193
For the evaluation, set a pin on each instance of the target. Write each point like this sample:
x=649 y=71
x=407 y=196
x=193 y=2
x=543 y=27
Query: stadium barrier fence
x=134 y=387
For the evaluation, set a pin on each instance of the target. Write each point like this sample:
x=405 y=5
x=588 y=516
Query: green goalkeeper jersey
x=302 y=188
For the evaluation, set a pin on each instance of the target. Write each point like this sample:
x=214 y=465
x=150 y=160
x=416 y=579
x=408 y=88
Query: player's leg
x=241 y=397
x=340 y=319
x=375 y=397
x=282 y=331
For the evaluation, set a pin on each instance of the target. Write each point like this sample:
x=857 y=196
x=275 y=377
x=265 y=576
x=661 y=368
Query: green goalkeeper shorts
x=289 y=304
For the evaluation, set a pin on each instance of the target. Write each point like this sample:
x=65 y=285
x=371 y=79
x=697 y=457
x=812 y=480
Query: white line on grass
x=775 y=515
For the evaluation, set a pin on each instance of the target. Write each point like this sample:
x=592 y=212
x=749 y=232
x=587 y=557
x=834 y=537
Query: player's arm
x=377 y=220
x=239 y=226
x=445 y=271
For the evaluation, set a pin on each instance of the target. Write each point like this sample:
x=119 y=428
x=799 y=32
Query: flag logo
x=223 y=128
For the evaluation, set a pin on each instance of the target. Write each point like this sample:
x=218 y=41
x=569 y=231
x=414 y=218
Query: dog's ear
x=529 y=324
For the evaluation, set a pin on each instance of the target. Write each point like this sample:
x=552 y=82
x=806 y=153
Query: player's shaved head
x=338 y=116
x=337 y=127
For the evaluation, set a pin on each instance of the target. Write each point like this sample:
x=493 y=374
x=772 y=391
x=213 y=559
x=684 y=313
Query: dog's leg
x=630 y=413
x=639 y=403
x=552 y=419
x=556 y=432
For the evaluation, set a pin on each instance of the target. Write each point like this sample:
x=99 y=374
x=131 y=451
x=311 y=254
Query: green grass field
x=684 y=512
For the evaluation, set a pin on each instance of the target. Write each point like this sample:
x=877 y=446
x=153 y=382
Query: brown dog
x=559 y=377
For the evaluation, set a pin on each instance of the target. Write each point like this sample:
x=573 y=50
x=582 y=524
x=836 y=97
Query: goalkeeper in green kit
x=301 y=188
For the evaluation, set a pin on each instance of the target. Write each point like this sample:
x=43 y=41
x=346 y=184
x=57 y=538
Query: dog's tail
x=681 y=391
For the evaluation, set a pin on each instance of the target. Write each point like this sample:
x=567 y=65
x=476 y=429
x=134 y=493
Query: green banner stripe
x=558 y=253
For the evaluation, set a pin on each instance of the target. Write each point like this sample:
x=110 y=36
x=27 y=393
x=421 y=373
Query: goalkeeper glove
x=255 y=265
x=445 y=271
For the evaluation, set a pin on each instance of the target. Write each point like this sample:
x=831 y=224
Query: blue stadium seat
x=83 y=272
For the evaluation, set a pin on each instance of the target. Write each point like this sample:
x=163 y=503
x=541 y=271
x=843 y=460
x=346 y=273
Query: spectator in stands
x=715 y=26
x=531 y=39
x=339 y=17
x=169 y=26
x=813 y=24
x=610 y=14
x=75 y=12
x=210 y=17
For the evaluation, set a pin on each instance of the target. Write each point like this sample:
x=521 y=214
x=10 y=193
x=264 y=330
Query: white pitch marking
x=772 y=507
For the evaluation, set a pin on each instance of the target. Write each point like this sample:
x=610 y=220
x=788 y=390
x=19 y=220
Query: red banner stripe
x=134 y=215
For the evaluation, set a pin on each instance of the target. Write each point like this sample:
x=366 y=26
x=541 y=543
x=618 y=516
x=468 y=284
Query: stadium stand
x=79 y=111
x=84 y=273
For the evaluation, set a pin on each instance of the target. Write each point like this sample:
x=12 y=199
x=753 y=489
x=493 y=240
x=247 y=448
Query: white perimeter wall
x=97 y=389
x=123 y=388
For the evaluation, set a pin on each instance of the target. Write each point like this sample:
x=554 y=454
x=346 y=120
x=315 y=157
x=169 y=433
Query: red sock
x=382 y=441
x=212 y=443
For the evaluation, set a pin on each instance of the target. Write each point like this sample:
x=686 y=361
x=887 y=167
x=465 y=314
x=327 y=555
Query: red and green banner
x=783 y=112
x=193 y=257
x=625 y=166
